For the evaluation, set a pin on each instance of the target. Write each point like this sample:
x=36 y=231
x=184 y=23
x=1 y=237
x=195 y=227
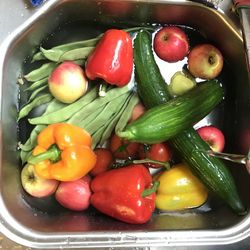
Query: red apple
x=74 y=195
x=138 y=110
x=35 y=185
x=205 y=61
x=67 y=82
x=171 y=44
x=213 y=137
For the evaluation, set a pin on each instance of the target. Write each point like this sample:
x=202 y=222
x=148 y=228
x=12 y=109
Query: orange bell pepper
x=63 y=153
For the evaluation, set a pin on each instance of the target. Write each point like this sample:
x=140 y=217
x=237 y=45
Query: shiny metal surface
x=245 y=20
x=84 y=230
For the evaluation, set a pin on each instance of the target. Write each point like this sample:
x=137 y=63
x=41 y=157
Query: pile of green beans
x=100 y=116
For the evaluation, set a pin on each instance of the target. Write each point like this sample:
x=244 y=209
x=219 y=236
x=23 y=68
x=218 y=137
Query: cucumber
x=164 y=121
x=211 y=171
x=151 y=76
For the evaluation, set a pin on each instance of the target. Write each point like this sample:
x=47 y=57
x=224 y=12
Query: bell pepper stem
x=164 y=164
x=149 y=191
x=53 y=154
x=102 y=90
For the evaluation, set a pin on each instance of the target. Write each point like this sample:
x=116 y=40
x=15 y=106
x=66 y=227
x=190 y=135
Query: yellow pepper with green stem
x=179 y=189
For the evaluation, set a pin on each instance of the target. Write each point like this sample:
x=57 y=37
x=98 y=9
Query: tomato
x=157 y=152
x=122 y=148
x=103 y=162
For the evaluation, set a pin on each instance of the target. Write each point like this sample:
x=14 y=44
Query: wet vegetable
x=213 y=173
x=179 y=189
x=63 y=153
x=125 y=194
x=164 y=121
x=112 y=58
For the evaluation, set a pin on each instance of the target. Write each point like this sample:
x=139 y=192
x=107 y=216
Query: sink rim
x=8 y=225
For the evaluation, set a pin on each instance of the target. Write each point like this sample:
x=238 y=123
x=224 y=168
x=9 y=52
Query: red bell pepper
x=125 y=194
x=112 y=58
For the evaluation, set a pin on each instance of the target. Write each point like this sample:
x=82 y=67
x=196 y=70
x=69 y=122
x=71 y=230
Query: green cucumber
x=149 y=75
x=164 y=121
x=211 y=171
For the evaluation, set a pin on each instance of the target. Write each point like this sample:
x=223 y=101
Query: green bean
x=76 y=54
x=27 y=148
x=98 y=102
x=37 y=84
x=52 y=106
x=24 y=155
x=66 y=112
x=105 y=115
x=42 y=99
x=41 y=72
x=80 y=62
x=56 y=52
x=87 y=118
x=38 y=57
x=106 y=120
x=104 y=132
x=31 y=142
x=111 y=124
x=51 y=54
x=126 y=114
x=96 y=137
x=36 y=92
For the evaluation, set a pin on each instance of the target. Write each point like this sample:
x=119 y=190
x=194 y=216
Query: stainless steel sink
x=63 y=21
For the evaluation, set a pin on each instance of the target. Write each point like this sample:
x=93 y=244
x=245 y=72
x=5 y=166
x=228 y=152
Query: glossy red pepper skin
x=112 y=58
x=118 y=193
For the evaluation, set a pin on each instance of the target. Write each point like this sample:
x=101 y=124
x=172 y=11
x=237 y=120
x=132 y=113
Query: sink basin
x=65 y=21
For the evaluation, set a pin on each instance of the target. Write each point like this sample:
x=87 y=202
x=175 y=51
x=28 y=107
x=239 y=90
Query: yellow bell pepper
x=179 y=189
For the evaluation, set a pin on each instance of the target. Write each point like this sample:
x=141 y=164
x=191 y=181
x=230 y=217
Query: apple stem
x=164 y=164
x=52 y=154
